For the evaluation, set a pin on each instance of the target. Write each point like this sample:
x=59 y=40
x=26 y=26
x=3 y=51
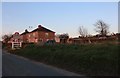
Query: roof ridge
x=39 y=28
x=42 y=28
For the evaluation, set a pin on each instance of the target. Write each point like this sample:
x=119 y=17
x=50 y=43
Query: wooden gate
x=16 y=45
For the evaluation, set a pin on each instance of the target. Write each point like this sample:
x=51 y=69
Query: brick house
x=24 y=36
x=40 y=34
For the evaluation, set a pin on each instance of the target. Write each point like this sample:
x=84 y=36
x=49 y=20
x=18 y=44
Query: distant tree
x=101 y=27
x=64 y=37
x=6 y=37
x=83 y=31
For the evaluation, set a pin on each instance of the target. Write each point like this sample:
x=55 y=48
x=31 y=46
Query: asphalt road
x=13 y=65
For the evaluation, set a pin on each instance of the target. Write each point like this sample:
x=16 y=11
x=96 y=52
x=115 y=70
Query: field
x=90 y=59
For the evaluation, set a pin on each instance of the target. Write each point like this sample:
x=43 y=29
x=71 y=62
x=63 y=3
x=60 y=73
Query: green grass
x=94 y=59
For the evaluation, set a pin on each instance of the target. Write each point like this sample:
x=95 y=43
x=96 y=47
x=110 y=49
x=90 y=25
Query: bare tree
x=6 y=37
x=101 y=27
x=83 y=31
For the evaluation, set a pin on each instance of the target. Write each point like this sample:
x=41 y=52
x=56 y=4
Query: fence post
x=20 y=44
x=12 y=45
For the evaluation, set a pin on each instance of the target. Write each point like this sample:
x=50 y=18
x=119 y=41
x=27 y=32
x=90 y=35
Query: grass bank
x=95 y=59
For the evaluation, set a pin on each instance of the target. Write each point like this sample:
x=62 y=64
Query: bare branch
x=101 y=27
x=83 y=31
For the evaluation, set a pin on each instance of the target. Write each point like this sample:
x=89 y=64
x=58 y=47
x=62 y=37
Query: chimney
x=39 y=26
x=26 y=30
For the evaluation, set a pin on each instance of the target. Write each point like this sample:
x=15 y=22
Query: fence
x=16 y=45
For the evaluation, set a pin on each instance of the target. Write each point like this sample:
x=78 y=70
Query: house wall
x=38 y=36
x=23 y=38
x=33 y=37
x=45 y=36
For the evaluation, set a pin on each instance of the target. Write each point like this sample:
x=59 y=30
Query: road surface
x=0 y=58
x=13 y=65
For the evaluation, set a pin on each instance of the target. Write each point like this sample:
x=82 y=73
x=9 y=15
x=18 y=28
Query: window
x=34 y=34
x=40 y=40
x=29 y=35
x=46 y=34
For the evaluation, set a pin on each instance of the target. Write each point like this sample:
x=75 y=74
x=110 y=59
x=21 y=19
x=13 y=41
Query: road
x=0 y=59
x=13 y=65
